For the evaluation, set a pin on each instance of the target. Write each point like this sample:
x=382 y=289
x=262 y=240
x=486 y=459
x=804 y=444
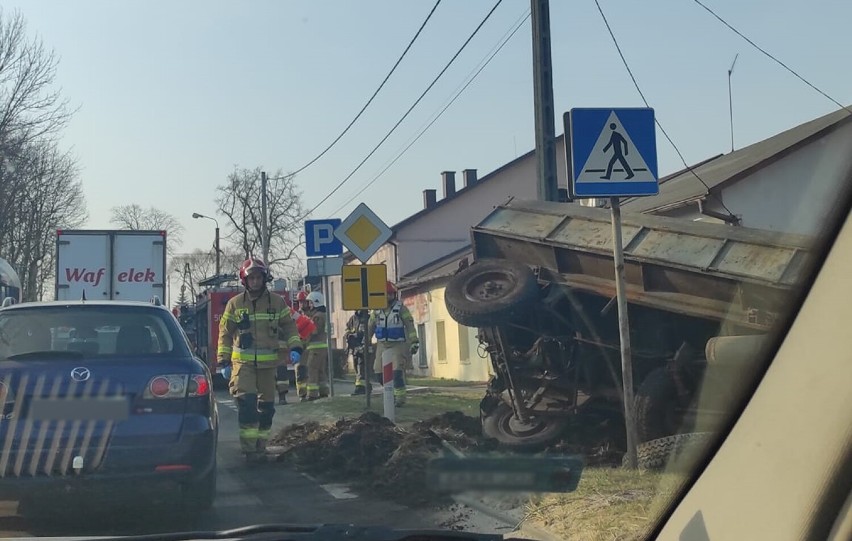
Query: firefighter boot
x=247 y=413
x=399 y=390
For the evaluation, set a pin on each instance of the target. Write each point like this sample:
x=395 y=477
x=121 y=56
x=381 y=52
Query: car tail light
x=168 y=386
x=198 y=386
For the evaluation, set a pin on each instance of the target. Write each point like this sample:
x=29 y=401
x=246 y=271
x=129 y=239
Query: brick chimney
x=448 y=180
x=430 y=198
x=469 y=177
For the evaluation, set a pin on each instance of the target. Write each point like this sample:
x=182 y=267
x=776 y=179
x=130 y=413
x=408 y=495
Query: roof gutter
x=727 y=218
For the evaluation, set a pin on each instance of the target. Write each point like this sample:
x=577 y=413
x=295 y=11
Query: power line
x=471 y=77
x=782 y=64
x=657 y=120
x=369 y=101
x=419 y=99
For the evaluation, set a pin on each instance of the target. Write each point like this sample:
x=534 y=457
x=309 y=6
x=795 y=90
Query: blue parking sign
x=319 y=238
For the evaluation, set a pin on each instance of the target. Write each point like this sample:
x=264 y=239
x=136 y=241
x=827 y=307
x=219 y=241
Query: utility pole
x=545 y=132
x=218 y=254
x=264 y=240
x=731 y=99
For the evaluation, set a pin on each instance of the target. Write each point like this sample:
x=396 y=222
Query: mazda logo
x=81 y=373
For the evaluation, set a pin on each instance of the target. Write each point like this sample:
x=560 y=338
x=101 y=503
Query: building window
x=464 y=344
x=441 y=337
x=421 y=334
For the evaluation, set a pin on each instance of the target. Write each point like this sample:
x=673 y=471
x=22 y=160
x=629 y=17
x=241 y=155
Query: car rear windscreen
x=93 y=331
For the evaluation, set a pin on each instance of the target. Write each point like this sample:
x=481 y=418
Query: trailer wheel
x=671 y=452
x=656 y=405
x=502 y=425
x=491 y=292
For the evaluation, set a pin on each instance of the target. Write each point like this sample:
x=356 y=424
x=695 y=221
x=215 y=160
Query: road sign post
x=612 y=153
x=624 y=333
x=330 y=356
x=364 y=286
x=320 y=241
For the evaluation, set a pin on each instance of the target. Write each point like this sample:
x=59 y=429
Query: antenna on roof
x=84 y=295
x=731 y=100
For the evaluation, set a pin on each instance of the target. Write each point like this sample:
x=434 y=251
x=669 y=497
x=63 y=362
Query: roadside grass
x=440 y=382
x=609 y=504
x=419 y=405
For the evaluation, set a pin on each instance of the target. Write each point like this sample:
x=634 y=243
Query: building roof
x=466 y=189
x=441 y=268
x=683 y=187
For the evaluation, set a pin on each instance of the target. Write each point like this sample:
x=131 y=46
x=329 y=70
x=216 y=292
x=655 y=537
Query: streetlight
x=218 y=265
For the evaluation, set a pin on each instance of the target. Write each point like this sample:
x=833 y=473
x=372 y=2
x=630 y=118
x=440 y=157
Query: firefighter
x=249 y=333
x=393 y=329
x=355 y=332
x=301 y=368
x=301 y=298
x=305 y=327
x=317 y=349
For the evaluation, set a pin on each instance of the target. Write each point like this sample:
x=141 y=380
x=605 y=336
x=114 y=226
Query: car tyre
x=199 y=495
x=491 y=292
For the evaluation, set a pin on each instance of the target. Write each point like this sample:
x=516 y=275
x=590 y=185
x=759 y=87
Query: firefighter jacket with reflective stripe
x=394 y=324
x=317 y=339
x=269 y=322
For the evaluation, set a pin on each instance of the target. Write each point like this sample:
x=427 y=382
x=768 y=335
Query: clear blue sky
x=173 y=95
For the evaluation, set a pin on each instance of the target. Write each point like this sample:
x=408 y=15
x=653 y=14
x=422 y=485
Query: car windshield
x=94 y=332
x=520 y=265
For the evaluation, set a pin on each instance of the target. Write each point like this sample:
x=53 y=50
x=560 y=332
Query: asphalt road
x=264 y=494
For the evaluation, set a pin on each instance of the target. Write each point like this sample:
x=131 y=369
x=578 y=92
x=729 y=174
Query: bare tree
x=240 y=201
x=191 y=268
x=39 y=187
x=152 y=219
x=30 y=108
x=51 y=199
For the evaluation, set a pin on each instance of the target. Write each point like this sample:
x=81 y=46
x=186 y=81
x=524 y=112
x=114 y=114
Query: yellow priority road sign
x=364 y=287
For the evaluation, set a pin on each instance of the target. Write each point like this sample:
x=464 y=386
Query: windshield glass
x=496 y=266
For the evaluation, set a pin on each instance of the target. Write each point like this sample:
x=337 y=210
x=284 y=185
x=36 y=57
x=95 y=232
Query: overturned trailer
x=701 y=297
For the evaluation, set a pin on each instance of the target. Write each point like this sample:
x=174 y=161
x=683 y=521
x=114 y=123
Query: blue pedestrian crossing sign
x=613 y=152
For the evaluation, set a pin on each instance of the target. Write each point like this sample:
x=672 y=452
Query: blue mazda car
x=104 y=396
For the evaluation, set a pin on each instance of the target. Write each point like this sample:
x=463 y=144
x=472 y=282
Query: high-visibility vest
x=389 y=325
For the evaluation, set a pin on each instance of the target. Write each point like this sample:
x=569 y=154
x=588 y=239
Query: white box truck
x=122 y=265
